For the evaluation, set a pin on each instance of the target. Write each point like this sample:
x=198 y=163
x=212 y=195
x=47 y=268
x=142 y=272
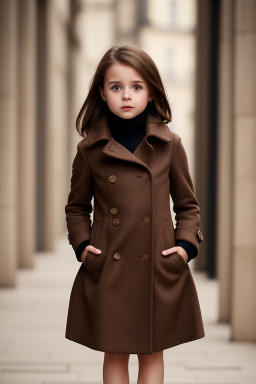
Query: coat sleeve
x=78 y=208
x=185 y=203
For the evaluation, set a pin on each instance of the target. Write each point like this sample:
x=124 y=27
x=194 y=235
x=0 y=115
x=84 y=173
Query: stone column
x=225 y=160
x=8 y=142
x=26 y=131
x=244 y=176
x=201 y=122
x=53 y=116
x=57 y=113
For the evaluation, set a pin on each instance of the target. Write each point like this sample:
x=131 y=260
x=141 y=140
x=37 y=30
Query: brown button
x=116 y=221
x=116 y=256
x=112 y=178
x=200 y=236
x=114 y=211
x=145 y=256
x=146 y=219
x=145 y=176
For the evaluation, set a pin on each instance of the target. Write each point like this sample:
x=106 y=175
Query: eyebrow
x=117 y=81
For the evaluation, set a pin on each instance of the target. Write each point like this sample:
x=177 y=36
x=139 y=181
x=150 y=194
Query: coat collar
x=154 y=127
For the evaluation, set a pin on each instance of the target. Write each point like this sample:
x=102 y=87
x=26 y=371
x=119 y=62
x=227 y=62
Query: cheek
x=143 y=98
x=112 y=99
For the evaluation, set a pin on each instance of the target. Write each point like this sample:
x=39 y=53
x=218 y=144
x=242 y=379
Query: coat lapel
x=143 y=154
x=117 y=150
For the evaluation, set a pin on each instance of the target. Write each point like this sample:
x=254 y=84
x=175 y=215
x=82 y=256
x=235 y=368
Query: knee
x=117 y=357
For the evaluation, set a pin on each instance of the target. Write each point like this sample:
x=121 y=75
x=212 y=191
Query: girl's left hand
x=178 y=249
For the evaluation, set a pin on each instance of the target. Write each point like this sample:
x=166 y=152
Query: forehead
x=120 y=72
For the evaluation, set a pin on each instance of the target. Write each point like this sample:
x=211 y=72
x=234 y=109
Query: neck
x=123 y=127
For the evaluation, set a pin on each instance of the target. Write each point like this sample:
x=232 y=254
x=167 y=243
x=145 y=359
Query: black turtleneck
x=129 y=133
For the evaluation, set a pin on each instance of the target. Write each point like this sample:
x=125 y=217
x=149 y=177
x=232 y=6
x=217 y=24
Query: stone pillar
x=26 y=131
x=58 y=112
x=225 y=160
x=8 y=142
x=53 y=117
x=244 y=176
x=201 y=122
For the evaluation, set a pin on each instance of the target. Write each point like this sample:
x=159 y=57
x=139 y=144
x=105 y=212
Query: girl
x=134 y=291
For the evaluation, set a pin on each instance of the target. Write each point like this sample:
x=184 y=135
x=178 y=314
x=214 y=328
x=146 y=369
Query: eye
x=115 y=87
x=137 y=87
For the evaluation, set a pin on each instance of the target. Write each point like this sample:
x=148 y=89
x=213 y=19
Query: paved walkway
x=33 y=348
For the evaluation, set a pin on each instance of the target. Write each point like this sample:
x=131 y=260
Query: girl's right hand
x=90 y=248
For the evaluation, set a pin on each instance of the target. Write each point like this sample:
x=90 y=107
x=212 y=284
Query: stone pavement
x=33 y=348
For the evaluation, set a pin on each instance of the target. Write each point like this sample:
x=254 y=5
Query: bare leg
x=151 y=368
x=115 y=368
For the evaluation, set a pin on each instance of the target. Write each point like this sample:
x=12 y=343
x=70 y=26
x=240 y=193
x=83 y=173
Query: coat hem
x=163 y=347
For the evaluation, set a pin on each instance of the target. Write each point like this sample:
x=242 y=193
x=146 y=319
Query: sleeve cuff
x=191 y=250
x=81 y=248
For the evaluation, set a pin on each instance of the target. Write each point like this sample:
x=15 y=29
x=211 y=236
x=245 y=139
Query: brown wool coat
x=131 y=298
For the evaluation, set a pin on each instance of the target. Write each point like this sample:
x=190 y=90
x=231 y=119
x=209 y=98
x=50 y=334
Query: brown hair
x=94 y=107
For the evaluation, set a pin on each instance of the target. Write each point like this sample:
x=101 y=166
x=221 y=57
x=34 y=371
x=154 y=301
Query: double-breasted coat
x=130 y=298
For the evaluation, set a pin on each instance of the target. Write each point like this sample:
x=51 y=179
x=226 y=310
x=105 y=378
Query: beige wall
x=9 y=143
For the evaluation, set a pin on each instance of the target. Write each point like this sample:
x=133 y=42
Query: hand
x=179 y=250
x=91 y=249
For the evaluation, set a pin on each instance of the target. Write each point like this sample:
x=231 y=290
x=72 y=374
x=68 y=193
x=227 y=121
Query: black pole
x=213 y=139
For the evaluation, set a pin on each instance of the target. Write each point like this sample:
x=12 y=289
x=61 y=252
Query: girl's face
x=125 y=91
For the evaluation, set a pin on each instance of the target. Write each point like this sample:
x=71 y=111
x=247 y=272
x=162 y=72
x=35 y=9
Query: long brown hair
x=94 y=107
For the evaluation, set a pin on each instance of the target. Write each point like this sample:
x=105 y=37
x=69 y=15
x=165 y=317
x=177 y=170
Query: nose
x=126 y=95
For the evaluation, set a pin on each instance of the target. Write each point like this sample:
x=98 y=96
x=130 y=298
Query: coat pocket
x=93 y=263
x=175 y=262
x=168 y=233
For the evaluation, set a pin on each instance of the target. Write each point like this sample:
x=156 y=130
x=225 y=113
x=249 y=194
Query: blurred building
x=205 y=51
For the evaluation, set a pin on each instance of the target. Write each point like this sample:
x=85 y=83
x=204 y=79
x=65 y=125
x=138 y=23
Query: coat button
x=145 y=256
x=116 y=256
x=116 y=221
x=200 y=236
x=114 y=211
x=112 y=178
x=145 y=176
x=146 y=220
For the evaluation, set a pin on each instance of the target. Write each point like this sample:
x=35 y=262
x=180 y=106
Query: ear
x=150 y=98
x=101 y=90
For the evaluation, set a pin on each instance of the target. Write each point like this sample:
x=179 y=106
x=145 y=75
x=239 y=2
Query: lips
x=127 y=107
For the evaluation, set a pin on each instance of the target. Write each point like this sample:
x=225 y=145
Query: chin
x=126 y=115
